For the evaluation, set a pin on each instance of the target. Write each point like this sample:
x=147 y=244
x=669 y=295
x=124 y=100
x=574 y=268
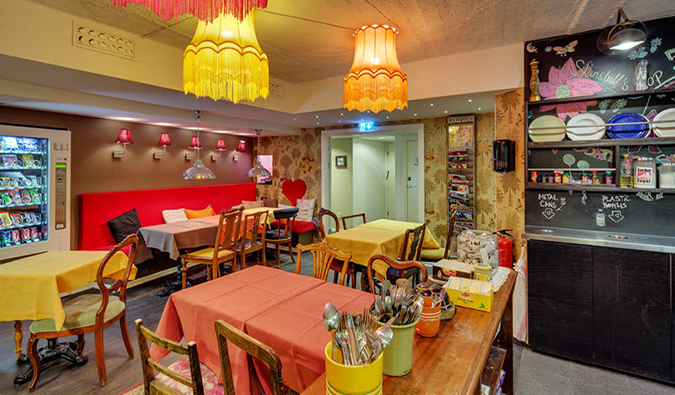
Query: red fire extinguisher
x=505 y=248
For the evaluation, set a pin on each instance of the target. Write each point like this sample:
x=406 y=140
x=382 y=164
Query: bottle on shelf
x=600 y=218
x=626 y=174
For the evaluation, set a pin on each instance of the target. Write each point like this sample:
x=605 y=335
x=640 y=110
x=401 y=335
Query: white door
x=412 y=178
x=390 y=181
x=368 y=176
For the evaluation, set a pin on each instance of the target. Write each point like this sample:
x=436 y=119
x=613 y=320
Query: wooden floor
x=123 y=372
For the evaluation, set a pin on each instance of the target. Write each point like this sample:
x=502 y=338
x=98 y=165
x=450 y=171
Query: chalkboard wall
x=641 y=213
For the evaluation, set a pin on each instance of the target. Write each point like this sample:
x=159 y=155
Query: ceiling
x=310 y=40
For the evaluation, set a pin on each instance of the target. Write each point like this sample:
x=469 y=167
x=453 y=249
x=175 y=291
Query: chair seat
x=274 y=235
x=182 y=367
x=206 y=254
x=80 y=312
x=336 y=266
x=435 y=254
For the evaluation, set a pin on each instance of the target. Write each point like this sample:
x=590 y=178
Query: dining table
x=382 y=236
x=281 y=309
x=31 y=288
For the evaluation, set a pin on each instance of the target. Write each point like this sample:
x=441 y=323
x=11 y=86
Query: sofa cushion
x=174 y=215
x=124 y=225
x=194 y=214
x=270 y=203
x=251 y=204
x=306 y=209
x=302 y=226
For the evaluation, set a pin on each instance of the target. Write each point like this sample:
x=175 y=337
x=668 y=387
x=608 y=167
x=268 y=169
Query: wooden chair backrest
x=346 y=217
x=451 y=233
x=393 y=263
x=322 y=213
x=253 y=229
x=228 y=232
x=119 y=284
x=412 y=244
x=149 y=365
x=285 y=219
x=323 y=255
x=226 y=332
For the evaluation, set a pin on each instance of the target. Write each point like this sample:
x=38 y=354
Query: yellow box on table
x=473 y=294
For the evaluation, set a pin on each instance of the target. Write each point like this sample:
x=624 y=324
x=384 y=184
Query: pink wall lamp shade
x=123 y=138
x=164 y=141
x=195 y=144
x=241 y=147
x=220 y=145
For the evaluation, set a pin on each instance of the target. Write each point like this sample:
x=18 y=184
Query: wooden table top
x=451 y=362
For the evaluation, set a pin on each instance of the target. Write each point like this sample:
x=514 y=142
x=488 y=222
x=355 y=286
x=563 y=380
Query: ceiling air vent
x=276 y=90
x=98 y=40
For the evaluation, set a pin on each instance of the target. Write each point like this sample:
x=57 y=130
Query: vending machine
x=34 y=190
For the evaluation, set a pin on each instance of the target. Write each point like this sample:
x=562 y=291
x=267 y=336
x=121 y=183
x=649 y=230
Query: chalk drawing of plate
x=585 y=127
x=547 y=128
x=664 y=123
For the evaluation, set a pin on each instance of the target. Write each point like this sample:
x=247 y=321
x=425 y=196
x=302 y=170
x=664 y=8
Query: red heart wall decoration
x=294 y=190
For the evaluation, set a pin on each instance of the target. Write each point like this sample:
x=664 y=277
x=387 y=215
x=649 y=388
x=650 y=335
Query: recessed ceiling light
x=415 y=114
x=339 y=121
x=318 y=123
x=341 y=114
x=295 y=119
x=431 y=104
x=446 y=111
x=479 y=108
x=387 y=116
x=317 y=117
x=470 y=100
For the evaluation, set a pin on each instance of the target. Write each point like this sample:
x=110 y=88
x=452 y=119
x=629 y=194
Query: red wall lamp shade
x=164 y=141
x=195 y=144
x=241 y=147
x=123 y=138
x=220 y=145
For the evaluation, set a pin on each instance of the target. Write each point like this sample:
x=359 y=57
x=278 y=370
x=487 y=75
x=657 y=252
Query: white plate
x=547 y=128
x=665 y=129
x=585 y=126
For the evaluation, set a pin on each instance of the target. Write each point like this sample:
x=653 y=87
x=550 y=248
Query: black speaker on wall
x=503 y=155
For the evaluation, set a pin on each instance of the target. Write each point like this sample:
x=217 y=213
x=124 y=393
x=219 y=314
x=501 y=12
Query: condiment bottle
x=626 y=178
x=585 y=179
x=594 y=177
x=600 y=218
x=609 y=178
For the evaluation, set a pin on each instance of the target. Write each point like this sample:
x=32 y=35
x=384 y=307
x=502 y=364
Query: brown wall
x=94 y=169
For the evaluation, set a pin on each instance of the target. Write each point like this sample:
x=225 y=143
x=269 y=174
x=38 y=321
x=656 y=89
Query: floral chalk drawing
x=567 y=82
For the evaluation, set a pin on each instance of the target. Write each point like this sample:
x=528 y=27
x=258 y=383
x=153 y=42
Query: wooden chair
x=346 y=217
x=223 y=249
x=90 y=313
x=149 y=365
x=394 y=264
x=282 y=230
x=411 y=250
x=323 y=254
x=226 y=332
x=441 y=252
x=336 y=264
x=253 y=237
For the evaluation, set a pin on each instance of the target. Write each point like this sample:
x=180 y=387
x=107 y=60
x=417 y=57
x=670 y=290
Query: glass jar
x=644 y=172
x=667 y=175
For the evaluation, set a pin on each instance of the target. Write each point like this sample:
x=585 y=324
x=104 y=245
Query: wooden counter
x=453 y=361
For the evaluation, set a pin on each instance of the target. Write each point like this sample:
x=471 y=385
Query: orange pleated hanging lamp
x=376 y=81
x=225 y=61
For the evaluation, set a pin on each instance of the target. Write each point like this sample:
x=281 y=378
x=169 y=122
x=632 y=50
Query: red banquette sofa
x=96 y=209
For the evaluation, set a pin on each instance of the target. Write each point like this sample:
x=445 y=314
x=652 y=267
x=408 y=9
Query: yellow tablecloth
x=30 y=287
x=428 y=242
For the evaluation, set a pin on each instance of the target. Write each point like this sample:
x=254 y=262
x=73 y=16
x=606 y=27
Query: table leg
x=53 y=351
x=18 y=338
x=175 y=285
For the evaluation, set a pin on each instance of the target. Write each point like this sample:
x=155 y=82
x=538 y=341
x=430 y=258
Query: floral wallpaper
x=510 y=187
x=435 y=178
x=295 y=157
x=485 y=177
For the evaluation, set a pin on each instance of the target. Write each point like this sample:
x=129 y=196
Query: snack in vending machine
x=36 y=197
x=27 y=160
x=7 y=182
x=5 y=219
x=16 y=219
x=16 y=196
x=16 y=237
x=34 y=234
x=25 y=196
x=6 y=238
x=6 y=198
x=25 y=235
x=38 y=218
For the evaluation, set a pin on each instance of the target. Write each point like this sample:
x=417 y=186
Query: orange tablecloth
x=30 y=287
x=294 y=329
x=235 y=298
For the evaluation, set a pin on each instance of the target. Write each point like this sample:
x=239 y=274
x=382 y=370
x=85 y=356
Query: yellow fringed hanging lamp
x=376 y=81
x=225 y=61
